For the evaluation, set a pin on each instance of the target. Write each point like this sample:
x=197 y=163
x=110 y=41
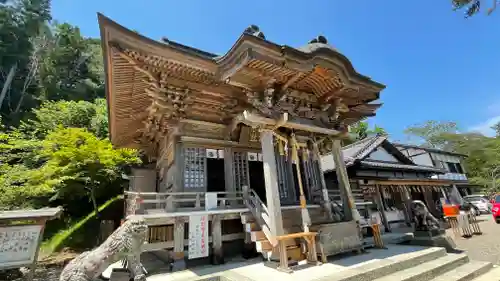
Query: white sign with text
x=18 y=245
x=210 y=201
x=198 y=236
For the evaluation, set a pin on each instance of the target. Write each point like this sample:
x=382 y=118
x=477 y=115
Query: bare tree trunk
x=7 y=83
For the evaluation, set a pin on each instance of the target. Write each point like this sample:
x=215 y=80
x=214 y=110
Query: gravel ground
x=485 y=247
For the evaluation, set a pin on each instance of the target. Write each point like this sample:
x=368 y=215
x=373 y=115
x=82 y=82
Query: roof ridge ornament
x=320 y=39
x=255 y=31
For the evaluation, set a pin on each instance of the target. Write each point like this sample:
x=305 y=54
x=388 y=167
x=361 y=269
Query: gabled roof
x=403 y=146
x=152 y=85
x=359 y=151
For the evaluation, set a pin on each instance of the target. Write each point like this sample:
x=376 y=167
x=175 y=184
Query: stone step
x=383 y=267
x=428 y=270
x=466 y=272
x=492 y=275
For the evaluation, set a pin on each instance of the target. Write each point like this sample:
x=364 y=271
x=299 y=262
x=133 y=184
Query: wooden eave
x=138 y=68
x=248 y=47
x=413 y=182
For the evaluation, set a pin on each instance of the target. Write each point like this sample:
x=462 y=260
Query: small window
x=459 y=168
x=452 y=167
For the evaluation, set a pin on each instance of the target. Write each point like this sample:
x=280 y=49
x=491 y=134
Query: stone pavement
x=485 y=247
x=256 y=270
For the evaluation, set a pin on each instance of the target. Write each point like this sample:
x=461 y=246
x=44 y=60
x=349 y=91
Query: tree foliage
x=483 y=152
x=473 y=7
x=50 y=61
x=361 y=130
x=61 y=156
x=53 y=118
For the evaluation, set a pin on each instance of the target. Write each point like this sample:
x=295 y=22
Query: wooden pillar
x=429 y=200
x=217 y=253
x=178 y=255
x=380 y=206
x=405 y=194
x=229 y=174
x=179 y=167
x=350 y=210
x=271 y=182
x=326 y=199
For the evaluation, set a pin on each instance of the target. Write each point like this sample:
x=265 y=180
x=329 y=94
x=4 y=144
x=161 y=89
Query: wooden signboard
x=21 y=233
x=210 y=201
x=18 y=245
x=198 y=236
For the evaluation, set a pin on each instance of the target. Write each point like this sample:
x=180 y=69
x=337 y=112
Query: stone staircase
x=432 y=264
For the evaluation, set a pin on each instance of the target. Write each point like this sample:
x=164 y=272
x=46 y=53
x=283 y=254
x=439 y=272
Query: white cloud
x=493 y=108
x=485 y=127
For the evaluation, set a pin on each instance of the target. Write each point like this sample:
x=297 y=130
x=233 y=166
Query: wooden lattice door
x=195 y=169
x=240 y=170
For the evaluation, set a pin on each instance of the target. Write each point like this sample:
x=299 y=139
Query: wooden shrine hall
x=235 y=141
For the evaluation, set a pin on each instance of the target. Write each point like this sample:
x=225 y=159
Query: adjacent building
x=452 y=163
x=384 y=180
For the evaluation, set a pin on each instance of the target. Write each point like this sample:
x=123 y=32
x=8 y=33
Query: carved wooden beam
x=291 y=81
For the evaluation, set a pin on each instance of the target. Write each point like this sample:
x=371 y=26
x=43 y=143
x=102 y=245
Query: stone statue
x=124 y=243
x=424 y=220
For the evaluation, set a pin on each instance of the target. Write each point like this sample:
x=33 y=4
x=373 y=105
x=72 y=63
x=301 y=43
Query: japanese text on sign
x=18 y=245
x=198 y=236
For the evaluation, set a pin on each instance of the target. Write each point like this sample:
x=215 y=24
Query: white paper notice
x=18 y=245
x=210 y=201
x=198 y=236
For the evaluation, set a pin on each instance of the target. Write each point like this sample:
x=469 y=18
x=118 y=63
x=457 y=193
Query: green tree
x=483 y=152
x=361 y=130
x=66 y=70
x=80 y=165
x=61 y=155
x=473 y=7
x=432 y=133
x=68 y=165
x=78 y=114
x=496 y=127
x=21 y=21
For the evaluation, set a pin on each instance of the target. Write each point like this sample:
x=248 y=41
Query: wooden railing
x=147 y=202
x=259 y=212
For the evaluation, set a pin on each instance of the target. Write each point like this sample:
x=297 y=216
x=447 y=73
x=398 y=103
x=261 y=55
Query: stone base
x=217 y=259
x=119 y=274
x=429 y=233
x=179 y=264
x=443 y=241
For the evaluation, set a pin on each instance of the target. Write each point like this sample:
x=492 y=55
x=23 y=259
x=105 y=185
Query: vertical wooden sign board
x=198 y=236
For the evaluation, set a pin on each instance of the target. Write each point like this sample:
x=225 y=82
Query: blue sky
x=436 y=64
